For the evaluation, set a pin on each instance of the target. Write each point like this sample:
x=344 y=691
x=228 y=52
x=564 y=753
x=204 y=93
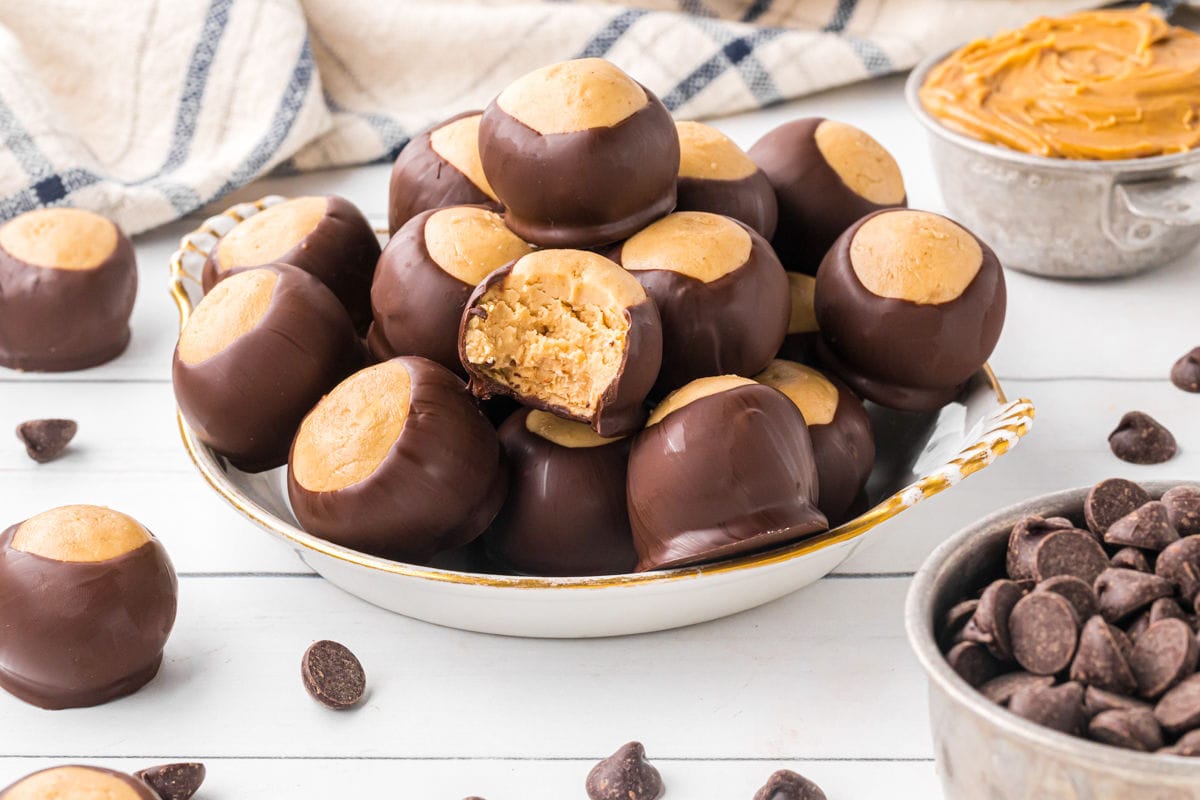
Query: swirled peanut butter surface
x=1094 y=85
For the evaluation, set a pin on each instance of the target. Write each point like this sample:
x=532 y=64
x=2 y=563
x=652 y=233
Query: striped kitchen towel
x=146 y=110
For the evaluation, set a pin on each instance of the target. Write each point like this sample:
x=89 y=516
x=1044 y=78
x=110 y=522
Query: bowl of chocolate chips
x=1059 y=637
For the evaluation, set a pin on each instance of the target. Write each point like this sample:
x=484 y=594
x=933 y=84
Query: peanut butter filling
x=696 y=390
x=80 y=534
x=812 y=392
x=72 y=783
x=803 y=319
x=573 y=96
x=564 y=432
x=1092 y=85
x=916 y=256
x=265 y=237
x=470 y=243
x=232 y=309
x=347 y=436
x=694 y=243
x=59 y=238
x=862 y=163
x=458 y=145
x=555 y=328
x=706 y=153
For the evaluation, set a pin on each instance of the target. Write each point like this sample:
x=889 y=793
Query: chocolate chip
x=1130 y=558
x=333 y=675
x=953 y=621
x=1166 y=608
x=973 y=662
x=1071 y=552
x=1100 y=660
x=1058 y=707
x=788 y=785
x=625 y=775
x=1044 y=631
x=46 y=439
x=1141 y=439
x=1183 y=509
x=173 y=781
x=1131 y=728
x=1147 y=528
x=1185 y=374
x=1188 y=745
x=991 y=617
x=1111 y=499
x=1097 y=700
x=1001 y=688
x=1179 y=708
x=1023 y=540
x=1179 y=563
x=1078 y=593
x=1163 y=656
x=1123 y=592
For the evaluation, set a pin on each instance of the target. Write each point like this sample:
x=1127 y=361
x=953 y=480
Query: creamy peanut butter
x=1096 y=85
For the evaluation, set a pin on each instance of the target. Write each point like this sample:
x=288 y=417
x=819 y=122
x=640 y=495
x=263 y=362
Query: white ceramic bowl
x=921 y=455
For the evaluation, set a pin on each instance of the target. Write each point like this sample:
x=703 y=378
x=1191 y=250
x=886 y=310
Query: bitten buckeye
x=717 y=176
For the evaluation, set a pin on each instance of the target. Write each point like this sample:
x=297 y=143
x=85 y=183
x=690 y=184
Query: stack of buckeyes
x=596 y=341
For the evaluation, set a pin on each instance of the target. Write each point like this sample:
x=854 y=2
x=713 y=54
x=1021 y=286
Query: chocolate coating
x=56 y=320
x=750 y=200
x=341 y=252
x=79 y=634
x=441 y=482
x=566 y=511
x=815 y=204
x=901 y=354
x=246 y=401
x=75 y=781
x=723 y=475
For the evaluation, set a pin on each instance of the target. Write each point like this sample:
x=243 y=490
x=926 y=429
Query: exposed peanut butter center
x=694 y=243
x=696 y=390
x=350 y=432
x=573 y=96
x=232 y=309
x=269 y=234
x=915 y=256
x=555 y=328
x=72 y=783
x=470 y=243
x=564 y=432
x=802 y=288
x=59 y=238
x=458 y=144
x=861 y=162
x=80 y=533
x=1107 y=84
x=812 y=392
x=705 y=152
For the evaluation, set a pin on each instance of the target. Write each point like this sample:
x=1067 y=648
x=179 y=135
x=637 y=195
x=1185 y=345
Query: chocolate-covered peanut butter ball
x=826 y=175
x=717 y=176
x=566 y=512
x=566 y=331
x=425 y=275
x=720 y=291
x=327 y=237
x=68 y=279
x=79 y=783
x=840 y=429
x=87 y=601
x=439 y=167
x=580 y=154
x=800 y=344
x=724 y=466
x=910 y=305
x=397 y=461
x=255 y=356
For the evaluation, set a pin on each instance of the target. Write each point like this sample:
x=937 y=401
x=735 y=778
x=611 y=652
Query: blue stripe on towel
x=841 y=16
x=52 y=189
x=390 y=132
x=756 y=10
x=872 y=56
x=17 y=140
x=605 y=38
x=196 y=82
x=737 y=52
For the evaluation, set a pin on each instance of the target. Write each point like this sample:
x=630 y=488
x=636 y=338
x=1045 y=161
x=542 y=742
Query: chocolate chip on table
x=1188 y=745
x=1141 y=439
x=788 y=785
x=991 y=617
x=1023 y=540
x=1179 y=563
x=333 y=675
x=1077 y=591
x=173 y=781
x=1097 y=700
x=973 y=662
x=1044 y=631
x=1070 y=552
x=1179 y=708
x=1100 y=660
x=1130 y=558
x=1001 y=688
x=1183 y=509
x=625 y=775
x=1123 y=592
x=953 y=622
x=1163 y=656
x=1185 y=374
x=1146 y=528
x=1058 y=707
x=46 y=439
x=1131 y=728
x=1111 y=499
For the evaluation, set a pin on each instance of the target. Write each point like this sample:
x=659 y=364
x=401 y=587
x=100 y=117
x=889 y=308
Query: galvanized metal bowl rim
x=1148 y=164
x=918 y=613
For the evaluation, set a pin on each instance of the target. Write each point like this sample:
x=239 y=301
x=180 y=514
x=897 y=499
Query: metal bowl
x=1065 y=218
x=982 y=750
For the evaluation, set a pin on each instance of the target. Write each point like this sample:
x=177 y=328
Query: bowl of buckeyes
x=605 y=373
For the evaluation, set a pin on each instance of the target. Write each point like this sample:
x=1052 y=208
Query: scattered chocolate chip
x=953 y=622
x=1141 y=439
x=173 y=781
x=1001 y=688
x=1044 y=631
x=1130 y=558
x=333 y=675
x=625 y=775
x=1131 y=728
x=1179 y=708
x=1023 y=540
x=1185 y=374
x=1165 y=608
x=1163 y=656
x=1100 y=660
x=1146 y=528
x=973 y=662
x=1183 y=509
x=1097 y=700
x=1188 y=745
x=1058 y=707
x=1072 y=552
x=1077 y=592
x=788 y=785
x=1123 y=592
x=991 y=617
x=1111 y=499
x=46 y=439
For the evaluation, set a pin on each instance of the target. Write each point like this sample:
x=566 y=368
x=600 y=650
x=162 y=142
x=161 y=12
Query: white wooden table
x=821 y=682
